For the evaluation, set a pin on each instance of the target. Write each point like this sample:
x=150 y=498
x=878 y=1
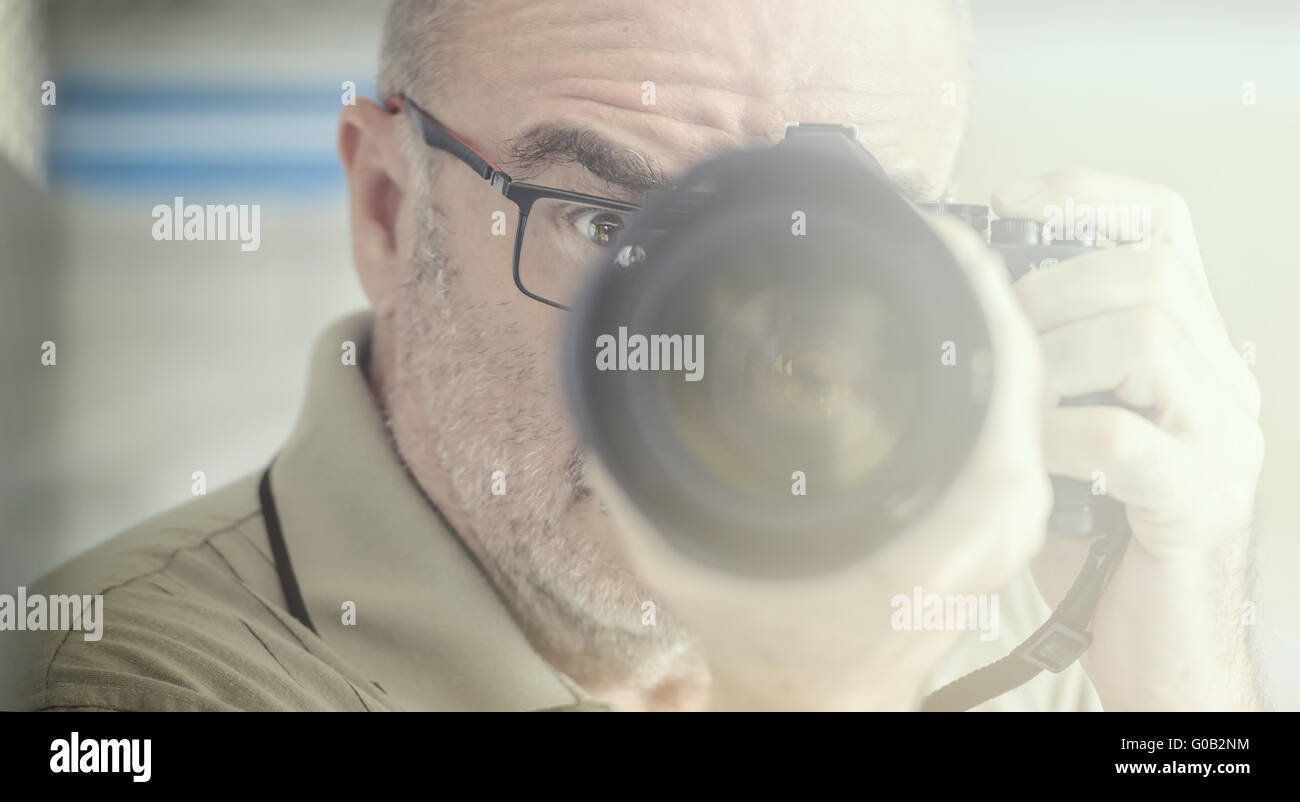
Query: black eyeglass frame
x=522 y=194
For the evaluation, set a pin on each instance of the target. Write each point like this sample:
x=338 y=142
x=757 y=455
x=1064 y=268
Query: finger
x=1109 y=279
x=1041 y=197
x=1144 y=356
x=1112 y=279
x=1141 y=465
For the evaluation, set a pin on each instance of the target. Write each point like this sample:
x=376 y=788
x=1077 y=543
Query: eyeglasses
x=558 y=235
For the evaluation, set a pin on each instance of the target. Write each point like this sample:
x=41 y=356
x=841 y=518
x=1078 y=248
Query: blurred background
x=174 y=358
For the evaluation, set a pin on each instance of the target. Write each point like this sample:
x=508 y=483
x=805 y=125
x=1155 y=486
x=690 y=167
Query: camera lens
x=794 y=381
x=820 y=414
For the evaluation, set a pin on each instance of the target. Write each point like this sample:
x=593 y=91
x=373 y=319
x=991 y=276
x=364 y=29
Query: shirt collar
x=430 y=628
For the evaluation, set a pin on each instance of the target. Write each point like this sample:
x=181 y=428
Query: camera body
x=1077 y=509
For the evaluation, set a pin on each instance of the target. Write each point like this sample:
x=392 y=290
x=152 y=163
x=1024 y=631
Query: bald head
x=720 y=75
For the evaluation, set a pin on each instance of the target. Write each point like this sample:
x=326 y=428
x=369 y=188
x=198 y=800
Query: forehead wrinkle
x=669 y=146
x=757 y=54
x=739 y=117
x=730 y=94
x=716 y=89
x=715 y=85
x=680 y=135
x=617 y=50
x=540 y=35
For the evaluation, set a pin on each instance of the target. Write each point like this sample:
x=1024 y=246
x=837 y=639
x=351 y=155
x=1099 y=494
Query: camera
x=842 y=364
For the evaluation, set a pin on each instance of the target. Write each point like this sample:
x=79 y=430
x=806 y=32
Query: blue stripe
x=258 y=160
x=248 y=181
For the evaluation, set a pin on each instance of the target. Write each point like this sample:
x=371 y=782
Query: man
x=429 y=536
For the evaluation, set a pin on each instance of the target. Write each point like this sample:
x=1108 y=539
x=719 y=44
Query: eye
x=599 y=227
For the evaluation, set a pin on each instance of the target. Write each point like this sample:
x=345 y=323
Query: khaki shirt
x=196 y=618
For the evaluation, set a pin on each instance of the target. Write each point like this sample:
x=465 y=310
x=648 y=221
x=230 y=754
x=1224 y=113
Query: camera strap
x=1054 y=646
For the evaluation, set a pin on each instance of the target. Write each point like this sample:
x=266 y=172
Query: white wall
x=1154 y=90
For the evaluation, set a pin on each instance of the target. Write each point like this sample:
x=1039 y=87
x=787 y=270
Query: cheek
x=483 y=281
x=514 y=340
x=480 y=260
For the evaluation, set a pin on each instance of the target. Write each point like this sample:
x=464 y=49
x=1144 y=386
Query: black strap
x=280 y=553
x=1055 y=646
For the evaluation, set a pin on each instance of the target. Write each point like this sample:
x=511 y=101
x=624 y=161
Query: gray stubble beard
x=575 y=600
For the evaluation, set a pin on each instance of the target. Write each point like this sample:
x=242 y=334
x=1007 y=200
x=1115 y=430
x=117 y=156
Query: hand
x=826 y=642
x=1139 y=320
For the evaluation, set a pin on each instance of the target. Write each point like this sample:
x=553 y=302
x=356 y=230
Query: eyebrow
x=557 y=144
x=625 y=168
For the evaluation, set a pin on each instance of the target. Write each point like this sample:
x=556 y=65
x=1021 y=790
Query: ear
x=375 y=168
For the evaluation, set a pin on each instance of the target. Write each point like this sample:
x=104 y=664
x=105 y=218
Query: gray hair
x=407 y=61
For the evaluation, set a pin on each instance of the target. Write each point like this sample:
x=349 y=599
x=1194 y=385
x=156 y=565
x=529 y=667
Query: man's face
x=474 y=387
